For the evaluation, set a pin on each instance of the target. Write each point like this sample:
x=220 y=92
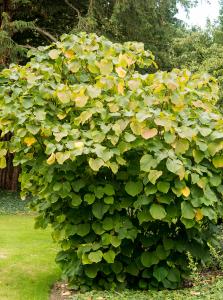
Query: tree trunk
x=9 y=175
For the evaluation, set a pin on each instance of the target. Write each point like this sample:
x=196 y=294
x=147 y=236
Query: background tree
x=28 y=23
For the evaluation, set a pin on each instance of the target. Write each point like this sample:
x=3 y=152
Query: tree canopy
x=28 y=23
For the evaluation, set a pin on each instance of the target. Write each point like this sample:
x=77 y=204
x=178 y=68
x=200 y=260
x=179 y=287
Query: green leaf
x=157 y=211
x=150 y=189
x=182 y=145
x=160 y=273
x=210 y=195
x=129 y=137
x=149 y=258
x=142 y=200
x=89 y=198
x=161 y=252
x=109 y=190
x=215 y=147
x=144 y=216
x=109 y=200
x=106 y=239
x=168 y=243
x=115 y=241
x=33 y=129
x=61 y=218
x=91 y=270
x=218 y=161
x=76 y=200
x=169 y=137
x=209 y=212
x=3 y=162
x=174 y=275
x=215 y=180
x=108 y=223
x=147 y=162
x=83 y=229
x=78 y=185
x=132 y=269
x=154 y=175
x=163 y=186
x=188 y=223
x=99 y=209
x=99 y=192
x=187 y=210
x=198 y=156
x=109 y=256
x=117 y=267
x=97 y=227
x=175 y=166
x=96 y=256
x=133 y=188
x=85 y=260
x=205 y=131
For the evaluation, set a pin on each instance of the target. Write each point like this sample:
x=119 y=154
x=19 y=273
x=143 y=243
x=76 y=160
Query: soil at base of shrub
x=60 y=292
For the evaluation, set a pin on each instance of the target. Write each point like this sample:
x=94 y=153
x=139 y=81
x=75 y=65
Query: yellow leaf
x=202 y=182
x=61 y=157
x=172 y=85
x=105 y=66
x=159 y=87
x=125 y=60
x=84 y=117
x=81 y=100
x=69 y=54
x=148 y=133
x=121 y=72
x=64 y=96
x=113 y=107
x=136 y=127
x=79 y=145
x=74 y=66
x=198 y=215
x=54 y=53
x=186 y=191
x=95 y=164
x=29 y=141
x=134 y=84
x=61 y=116
x=51 y=159
x=93 y=69
x=120 y=88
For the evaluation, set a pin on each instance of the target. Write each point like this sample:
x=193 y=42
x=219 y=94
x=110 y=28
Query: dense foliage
x=126 y=167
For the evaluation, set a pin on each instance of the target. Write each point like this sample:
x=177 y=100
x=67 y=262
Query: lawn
x=27 y=258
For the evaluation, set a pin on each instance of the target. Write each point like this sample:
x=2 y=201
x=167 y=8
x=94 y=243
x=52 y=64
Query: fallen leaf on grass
x=66 y=293
x=195 y=293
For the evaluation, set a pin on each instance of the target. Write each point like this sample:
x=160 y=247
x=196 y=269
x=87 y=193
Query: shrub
x=126 y=166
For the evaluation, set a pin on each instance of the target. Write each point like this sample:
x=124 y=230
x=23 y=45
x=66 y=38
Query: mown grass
x=27 y=267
